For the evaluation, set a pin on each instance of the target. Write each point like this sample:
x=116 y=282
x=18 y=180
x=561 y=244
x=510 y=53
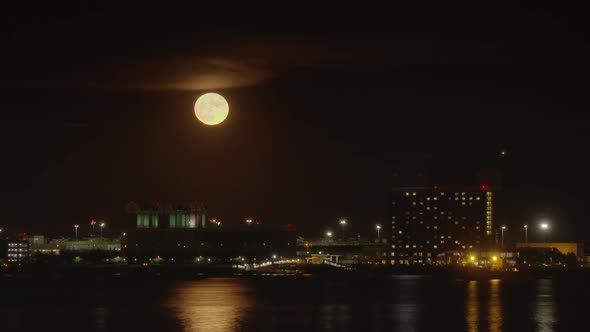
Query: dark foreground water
x=403 y=303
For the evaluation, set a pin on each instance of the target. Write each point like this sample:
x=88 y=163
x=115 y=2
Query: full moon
x=211 y=109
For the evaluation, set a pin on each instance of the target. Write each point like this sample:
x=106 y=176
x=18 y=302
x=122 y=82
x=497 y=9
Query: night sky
x=326 y=105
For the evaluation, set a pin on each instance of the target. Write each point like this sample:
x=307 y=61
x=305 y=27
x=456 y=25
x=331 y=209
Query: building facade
x=164 y=216
x=17 y=251
x=181 y=232
x=427 y=221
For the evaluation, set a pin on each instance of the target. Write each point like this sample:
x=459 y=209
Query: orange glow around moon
x=211 y=109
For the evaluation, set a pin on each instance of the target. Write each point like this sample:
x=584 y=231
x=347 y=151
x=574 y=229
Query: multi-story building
x=17 y=251
x=427 y=221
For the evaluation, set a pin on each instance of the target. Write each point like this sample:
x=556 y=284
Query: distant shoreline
x=199 y=272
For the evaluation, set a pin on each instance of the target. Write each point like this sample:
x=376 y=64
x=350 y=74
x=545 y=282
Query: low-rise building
x=563 y=247
x=17 y=251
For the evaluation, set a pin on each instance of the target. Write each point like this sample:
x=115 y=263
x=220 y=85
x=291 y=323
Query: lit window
x=407 y=194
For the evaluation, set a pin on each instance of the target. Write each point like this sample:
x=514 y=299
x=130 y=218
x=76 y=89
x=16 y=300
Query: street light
x=102 y=224
x=544 y=228
x=329 y=234
x=76 y=230
x=343 y=224
x=503 y=229
x=526 y=235
x=378 y=227
x=249 y=221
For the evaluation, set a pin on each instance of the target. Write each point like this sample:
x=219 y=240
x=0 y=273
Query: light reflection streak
x=474 y=312
x=545 y=310
x=495 y=307
x=407 y=307
x=100 y=313
x=211 y=305
x=472 y=307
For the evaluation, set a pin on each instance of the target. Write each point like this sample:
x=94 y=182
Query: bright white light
x=343 y=222
x=544 y=226
x=378 y=227
x=503 y=227
x=329 y=234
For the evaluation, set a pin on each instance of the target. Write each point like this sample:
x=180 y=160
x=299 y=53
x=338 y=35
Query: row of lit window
x=414 y=246
x=442 y=193
x=16 y=250
x=18 y=244
x=414 y=203
x=16 y=255
x=407 y=262
x=420 y=254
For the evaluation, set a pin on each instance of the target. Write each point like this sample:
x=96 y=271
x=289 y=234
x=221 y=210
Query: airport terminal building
x=183 y=232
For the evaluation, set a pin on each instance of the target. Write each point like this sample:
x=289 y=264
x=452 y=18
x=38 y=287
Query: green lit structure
x=183 y=233
x=157 y=215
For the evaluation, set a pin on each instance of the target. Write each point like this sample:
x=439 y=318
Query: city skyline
x=106 y=115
